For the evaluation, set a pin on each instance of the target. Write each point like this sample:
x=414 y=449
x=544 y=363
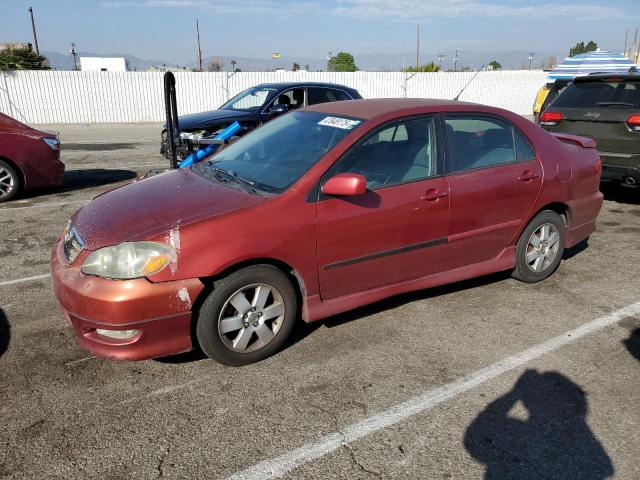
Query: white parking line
x=279 y=466
x=24 y=280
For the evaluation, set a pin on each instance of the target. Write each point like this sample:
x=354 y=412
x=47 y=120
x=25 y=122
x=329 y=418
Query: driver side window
x=398 y=153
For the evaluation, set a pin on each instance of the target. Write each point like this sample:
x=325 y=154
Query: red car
x=320 y=211
x=29 y=158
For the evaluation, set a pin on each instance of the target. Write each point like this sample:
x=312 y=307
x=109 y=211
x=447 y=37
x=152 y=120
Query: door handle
x=527 y=176
x=434 y=194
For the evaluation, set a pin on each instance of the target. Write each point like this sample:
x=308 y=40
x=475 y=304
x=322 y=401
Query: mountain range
x=368 y=62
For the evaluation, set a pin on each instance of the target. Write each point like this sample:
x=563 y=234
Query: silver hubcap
x=251 y=318
x=542 y=248
x=7 y=182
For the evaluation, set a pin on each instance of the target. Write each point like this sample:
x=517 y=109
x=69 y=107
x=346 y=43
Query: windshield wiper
x=229 y=174
x=614 y=104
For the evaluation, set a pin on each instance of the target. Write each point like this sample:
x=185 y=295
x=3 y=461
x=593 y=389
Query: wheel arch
x=292 y=274
x=560 y=208
x=21 y=176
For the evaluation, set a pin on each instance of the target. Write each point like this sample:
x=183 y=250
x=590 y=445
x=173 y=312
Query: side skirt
x=317 y=309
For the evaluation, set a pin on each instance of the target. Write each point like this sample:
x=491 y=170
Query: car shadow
x=633 y=343
x=577 y=249
x=5 y=332
x=620 y=194
x=75 y=180
x=538 y=430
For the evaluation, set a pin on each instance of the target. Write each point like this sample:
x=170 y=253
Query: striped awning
x=592 y=62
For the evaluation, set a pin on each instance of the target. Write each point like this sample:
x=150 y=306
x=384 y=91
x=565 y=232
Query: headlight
x=129 y=260
x=54 y=143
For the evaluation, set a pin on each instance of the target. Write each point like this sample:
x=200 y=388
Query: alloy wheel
x=251 y=317
x=7 y=182
x=542 y=248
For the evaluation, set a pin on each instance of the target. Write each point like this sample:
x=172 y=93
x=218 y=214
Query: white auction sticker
x=337 y=122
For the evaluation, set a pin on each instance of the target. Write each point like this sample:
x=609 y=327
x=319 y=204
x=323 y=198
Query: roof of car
x=370 y=108
x=301 y=84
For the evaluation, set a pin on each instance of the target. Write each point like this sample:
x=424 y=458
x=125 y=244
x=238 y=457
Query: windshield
x=250 y=100
x=600 y=93
x=277 y=154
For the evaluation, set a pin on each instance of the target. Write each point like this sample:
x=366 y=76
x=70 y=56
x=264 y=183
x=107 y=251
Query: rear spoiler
x=584 y=142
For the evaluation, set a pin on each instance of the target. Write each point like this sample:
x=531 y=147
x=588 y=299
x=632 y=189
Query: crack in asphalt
x=360 y=466
x=161 y=460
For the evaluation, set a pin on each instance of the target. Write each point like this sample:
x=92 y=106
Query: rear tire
x=248 y=316
x=540 y=247
x=9 y=181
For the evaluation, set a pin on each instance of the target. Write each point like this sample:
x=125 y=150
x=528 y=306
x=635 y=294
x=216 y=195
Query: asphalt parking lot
x=489 y=378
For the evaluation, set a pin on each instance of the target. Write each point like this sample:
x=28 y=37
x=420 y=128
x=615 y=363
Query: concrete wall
x=88 y=97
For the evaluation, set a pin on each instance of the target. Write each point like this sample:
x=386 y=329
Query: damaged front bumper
x=124 y=319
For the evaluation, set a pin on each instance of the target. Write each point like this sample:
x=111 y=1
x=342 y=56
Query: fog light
x=118 y=334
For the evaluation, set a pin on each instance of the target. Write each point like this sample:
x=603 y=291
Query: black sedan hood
x=196 y=121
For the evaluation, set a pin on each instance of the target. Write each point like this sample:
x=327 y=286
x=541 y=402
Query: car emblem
x=592 y=115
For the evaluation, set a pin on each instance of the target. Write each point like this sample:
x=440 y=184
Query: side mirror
x=278 y=109
x=345 y=184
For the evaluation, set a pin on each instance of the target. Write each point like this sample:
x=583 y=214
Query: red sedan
x=29 y=158
x=320 y=211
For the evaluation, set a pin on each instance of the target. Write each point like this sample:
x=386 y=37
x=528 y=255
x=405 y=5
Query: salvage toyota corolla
x=320 y=211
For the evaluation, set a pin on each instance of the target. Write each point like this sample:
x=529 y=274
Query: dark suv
x=607 y=109
x=255 y=106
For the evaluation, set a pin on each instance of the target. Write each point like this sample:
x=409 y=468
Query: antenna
x=457 y=97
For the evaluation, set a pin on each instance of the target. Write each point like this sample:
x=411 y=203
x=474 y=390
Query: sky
x=165 y=29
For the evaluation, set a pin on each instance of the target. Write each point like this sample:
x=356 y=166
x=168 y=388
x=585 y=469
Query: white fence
x=89 y=97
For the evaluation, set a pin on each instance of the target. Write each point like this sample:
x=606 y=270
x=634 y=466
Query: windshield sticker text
x=338 y=122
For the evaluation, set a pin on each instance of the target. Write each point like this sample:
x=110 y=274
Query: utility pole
x=199 y=49
x=531 y=55
x=418 y=49
x=73 y=52
x=33 y=27
x=455 y=61
x=440 y=60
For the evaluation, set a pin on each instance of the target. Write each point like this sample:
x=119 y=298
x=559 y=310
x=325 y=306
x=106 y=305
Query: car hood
x=213 y=117
x=146 y=208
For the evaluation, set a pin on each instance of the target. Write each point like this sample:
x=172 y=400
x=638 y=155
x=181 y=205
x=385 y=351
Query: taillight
x=634 y=123
x=551 y=119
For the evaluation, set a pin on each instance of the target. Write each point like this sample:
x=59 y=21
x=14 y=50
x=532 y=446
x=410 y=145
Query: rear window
x=601 y=93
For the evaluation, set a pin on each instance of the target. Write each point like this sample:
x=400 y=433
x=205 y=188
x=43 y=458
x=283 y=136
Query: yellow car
x=547 y=94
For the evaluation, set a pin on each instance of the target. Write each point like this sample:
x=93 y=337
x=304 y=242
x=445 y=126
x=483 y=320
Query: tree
x=580 y=47
x=22 y=59
x=495 y=65
x=296 y=67
x=428 y=67
x=342 y=62
x=306 y=67
x=215 y=65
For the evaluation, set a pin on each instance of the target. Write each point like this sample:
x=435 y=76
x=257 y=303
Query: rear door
x=397 y=230
x=495 y=180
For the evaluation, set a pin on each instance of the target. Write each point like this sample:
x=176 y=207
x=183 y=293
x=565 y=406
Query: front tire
x=9 y=181
x=540 y=247
x=248 y=316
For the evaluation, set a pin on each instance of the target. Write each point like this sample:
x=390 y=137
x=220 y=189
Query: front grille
x=72 y=245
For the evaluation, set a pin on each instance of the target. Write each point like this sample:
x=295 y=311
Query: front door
x=398 y=229
x=495 y=182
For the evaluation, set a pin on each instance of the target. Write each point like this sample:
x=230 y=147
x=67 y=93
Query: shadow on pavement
x=5 y=332
x=538 y=430
x=78 y=180
x=94 y=177
x=633 y=343
x=617 y=193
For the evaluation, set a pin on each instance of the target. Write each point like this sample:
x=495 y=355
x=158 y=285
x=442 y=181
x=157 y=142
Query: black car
x=254 y=107
x=605 y=107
